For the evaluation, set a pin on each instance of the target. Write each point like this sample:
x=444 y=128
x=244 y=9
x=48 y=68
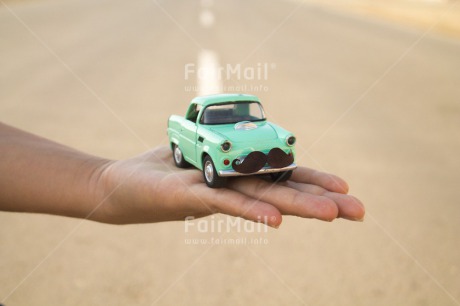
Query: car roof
x=223 y=98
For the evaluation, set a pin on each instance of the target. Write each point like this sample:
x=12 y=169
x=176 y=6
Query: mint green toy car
x=228 y=135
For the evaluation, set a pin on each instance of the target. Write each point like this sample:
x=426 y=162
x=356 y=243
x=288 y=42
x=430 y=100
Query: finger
x=308 y=188
x=288 y=200
x=328 y=181
x=238 y=205
x=349 y=207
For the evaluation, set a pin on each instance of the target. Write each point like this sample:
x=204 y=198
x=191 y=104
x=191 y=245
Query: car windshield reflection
x=232 y=113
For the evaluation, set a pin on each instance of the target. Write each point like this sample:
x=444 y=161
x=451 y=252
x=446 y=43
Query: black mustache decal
x=256 y=160
x=276 y=158
x=252 y=163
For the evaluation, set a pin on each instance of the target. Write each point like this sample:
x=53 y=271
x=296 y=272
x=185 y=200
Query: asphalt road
x=375 y=103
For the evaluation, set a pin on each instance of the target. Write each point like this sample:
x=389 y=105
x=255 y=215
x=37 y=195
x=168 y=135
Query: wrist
x=99 y=190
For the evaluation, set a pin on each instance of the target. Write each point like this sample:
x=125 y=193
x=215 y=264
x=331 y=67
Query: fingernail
x=274 y=226
x=274 y=219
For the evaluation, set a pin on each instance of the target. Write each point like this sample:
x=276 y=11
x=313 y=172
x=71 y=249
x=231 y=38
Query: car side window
x=192 y=113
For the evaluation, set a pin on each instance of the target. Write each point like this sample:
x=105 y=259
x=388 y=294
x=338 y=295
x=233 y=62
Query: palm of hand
x=149 y=188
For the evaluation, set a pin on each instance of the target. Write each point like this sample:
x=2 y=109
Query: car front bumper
x=264 y=170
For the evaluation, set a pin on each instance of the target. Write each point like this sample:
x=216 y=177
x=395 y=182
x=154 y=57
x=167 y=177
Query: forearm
x=38 y=175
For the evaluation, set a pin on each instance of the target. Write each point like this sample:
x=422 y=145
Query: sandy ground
x=442 y=15
x=370 y=101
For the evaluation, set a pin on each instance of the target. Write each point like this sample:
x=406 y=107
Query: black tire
x=281 y=176
x=179 y=157
x=211 y=178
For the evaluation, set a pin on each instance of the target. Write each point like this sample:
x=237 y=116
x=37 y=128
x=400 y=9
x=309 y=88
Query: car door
x=188 y=140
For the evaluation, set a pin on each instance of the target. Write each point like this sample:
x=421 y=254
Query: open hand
x=149 y=188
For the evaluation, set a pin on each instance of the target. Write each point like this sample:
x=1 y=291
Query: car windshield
x=232 y=113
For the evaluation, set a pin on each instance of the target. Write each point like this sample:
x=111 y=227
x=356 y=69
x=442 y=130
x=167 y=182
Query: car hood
x=263 y=132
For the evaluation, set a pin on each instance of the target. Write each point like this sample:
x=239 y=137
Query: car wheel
x=281 y=176
x=179 y=157
x=210 y=175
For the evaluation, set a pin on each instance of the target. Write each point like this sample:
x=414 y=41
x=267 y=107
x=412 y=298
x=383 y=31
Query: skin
x=41 y=176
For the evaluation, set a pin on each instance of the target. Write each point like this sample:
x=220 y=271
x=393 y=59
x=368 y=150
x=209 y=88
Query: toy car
x=228 y=135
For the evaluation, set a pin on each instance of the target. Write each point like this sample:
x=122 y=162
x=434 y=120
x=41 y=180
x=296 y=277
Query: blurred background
x=370 y=88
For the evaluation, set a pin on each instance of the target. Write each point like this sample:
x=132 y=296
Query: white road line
x=208 y=73
x=206 y=18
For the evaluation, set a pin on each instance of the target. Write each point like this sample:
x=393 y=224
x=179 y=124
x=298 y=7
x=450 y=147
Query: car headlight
x=290 y=141
x=226 y=146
